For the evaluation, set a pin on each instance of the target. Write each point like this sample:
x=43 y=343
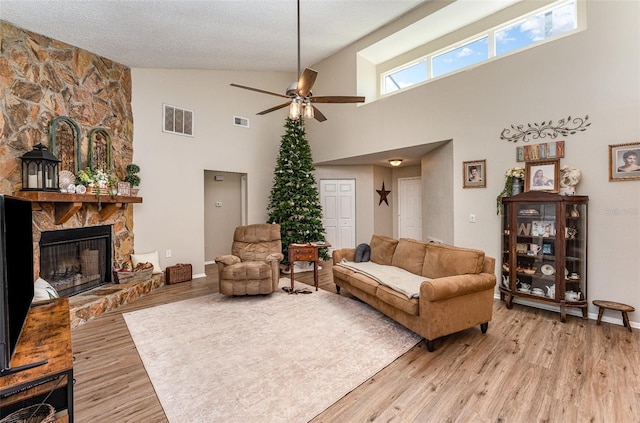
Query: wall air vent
x=177 y=120
x=240 y=121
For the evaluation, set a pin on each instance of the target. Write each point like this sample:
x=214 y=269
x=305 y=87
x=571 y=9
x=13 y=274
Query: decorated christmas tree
x=294 y=202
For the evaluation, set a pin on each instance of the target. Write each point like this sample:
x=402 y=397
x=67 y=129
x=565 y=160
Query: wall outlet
x=218 y=203
x=167 y=253
x=472 y=218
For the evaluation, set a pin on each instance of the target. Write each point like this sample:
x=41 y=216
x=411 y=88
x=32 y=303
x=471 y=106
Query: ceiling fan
x=299 y=95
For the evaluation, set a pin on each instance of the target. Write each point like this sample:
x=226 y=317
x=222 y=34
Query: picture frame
x=542 y=175
x=624 y=162
x=547 y=249
x=124 y=188
x=474 y=174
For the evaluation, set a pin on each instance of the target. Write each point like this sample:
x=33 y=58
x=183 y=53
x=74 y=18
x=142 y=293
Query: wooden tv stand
x=46 y=337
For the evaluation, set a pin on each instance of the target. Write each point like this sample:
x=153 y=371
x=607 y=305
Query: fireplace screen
x=75 y=260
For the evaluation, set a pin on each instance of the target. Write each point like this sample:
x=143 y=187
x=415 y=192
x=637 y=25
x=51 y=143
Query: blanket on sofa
x=394 y=277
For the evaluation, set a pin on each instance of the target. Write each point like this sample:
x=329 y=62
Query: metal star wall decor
x=545 y=129
x=383 y=194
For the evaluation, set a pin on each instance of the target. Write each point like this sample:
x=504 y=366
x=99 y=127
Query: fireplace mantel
x=66 y=205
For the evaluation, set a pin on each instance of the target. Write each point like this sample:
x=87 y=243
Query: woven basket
x=136 y=276
x=39 y=413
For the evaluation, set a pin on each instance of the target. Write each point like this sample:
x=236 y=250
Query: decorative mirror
x=64 y=143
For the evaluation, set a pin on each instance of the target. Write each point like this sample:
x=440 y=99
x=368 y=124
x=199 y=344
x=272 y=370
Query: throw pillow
x=151 y=257
x=363 y=253
x=42 y=290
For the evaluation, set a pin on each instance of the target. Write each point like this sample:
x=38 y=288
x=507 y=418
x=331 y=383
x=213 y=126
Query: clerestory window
x=518 y=34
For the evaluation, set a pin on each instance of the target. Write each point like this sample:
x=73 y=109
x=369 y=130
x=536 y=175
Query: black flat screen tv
x=16 y=273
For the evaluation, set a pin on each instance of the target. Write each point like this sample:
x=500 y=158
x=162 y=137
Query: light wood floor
x=529 y=367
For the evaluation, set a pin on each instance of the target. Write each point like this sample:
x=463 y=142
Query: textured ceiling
x=255 y=35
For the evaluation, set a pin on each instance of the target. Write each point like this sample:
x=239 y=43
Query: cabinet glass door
x=535 y=250
x=575 y=253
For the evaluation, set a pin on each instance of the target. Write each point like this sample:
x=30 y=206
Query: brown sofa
x=458 y=294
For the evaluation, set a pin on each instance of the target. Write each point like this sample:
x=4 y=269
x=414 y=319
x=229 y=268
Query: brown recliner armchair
x=254 y=264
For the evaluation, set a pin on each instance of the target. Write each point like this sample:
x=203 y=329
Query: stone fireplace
x=76 y=260
x=42 y=79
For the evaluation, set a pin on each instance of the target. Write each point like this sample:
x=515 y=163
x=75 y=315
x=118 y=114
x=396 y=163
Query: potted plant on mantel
x=132 y=177
x=97 y=182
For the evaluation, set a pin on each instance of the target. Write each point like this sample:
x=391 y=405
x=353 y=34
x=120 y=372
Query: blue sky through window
x=536 y=28
x=461 y=57
x=406 y=77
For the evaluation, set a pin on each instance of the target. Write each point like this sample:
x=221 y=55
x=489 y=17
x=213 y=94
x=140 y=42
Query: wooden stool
x=611 y=305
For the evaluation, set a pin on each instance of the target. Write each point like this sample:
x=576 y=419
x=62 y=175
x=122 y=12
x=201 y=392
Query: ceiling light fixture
x=308 y=110
x=395 y=162
x=295 y=108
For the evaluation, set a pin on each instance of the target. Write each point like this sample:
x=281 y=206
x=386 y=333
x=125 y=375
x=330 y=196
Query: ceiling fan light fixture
x=395 y=162
x=295 y=109
x=308 y=110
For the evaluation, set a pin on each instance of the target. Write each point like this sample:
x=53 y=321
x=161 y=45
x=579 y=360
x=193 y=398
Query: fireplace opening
x=76 y=260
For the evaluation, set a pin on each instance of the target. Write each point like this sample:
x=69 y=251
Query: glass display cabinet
x=544 y=250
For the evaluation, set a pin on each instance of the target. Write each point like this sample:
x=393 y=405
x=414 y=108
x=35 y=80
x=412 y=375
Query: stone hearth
x=94 y=303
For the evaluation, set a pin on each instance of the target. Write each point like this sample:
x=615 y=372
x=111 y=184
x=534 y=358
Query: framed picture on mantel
x=124 y=188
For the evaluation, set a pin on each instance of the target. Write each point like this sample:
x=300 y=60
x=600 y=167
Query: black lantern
x=39 y=170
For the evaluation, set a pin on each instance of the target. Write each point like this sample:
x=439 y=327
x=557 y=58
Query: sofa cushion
x=409 y=255
x=382 y=249
x=364 y=283
x=398 y=300
x=443 y=260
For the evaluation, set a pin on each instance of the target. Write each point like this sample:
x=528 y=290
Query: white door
x=410 y=208
x=338 y=199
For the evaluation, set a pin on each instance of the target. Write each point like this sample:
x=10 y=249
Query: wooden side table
x=306 y=252
x=46 y=337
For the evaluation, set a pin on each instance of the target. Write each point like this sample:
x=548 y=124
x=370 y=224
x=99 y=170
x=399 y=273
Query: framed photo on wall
x=624 y=162
x=542 y=176
x=474 y=174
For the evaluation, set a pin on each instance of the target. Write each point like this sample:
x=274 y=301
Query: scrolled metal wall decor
x=545 y=129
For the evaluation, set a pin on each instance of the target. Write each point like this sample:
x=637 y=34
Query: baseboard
x=199 y=275
x=570 y=311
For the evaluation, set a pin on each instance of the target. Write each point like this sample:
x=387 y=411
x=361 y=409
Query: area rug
x=277 y=358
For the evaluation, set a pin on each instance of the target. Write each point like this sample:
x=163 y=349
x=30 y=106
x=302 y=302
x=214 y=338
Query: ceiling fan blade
x=273 y=109
x=317 y=114
x=306 y=81
x=338 y=99
x=258 y=90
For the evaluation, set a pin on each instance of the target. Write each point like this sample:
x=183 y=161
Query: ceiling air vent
x=177 y=121
x=240 y=121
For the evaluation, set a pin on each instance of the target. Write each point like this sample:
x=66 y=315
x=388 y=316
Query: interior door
x=338 y=198
x=410 y=208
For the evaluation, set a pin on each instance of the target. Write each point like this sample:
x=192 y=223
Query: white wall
x=172 y=166
x=595 y=72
